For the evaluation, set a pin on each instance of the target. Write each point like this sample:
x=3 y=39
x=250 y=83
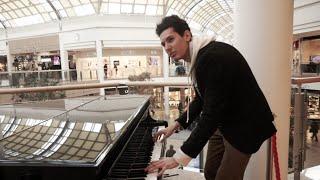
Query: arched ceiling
x=204 y=16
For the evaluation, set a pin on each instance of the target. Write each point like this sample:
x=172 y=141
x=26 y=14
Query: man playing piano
x=234 y=116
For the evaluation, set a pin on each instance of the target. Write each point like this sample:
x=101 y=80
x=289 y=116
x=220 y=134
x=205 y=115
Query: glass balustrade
x=54 y=77
x=45 y=78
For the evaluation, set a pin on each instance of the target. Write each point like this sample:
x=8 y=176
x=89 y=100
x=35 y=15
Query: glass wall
x=123 y=63
x=3 y=63
x=119 y=63
x=306 y=57
x=85 y=64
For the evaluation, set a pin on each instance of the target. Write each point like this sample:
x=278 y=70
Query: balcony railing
x=44 y=78
x=54 y=77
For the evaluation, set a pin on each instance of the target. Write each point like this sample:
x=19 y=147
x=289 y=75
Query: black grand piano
x=95 y=138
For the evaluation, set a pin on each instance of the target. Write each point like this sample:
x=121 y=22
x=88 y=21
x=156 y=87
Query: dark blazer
x=228 y=98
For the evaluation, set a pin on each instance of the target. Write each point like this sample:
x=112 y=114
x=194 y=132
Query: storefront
x=119 y=63
x=25 y=62
x=306 y=56
x=85 y=63
x=4 y=78
x=35 y=62
x=122 y=63
x=33 y=54
x=179 y=95
x=50 y=62
x=3 y=63
x=313 y=108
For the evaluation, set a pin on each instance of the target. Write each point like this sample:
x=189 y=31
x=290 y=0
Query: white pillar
x=166 y=103
x=9 y=58
x=64 y=63
x=165 y=65
x=100 y=64
x=263 y=34
x=165 y=62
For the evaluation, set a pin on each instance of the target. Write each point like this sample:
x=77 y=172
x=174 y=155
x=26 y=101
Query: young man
x=234 y=114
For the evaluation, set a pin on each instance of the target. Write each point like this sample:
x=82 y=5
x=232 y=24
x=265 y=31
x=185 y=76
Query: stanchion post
x=269 y=175
x=298 y=133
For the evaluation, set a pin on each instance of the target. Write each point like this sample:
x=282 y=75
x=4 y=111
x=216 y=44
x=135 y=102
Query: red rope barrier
x=275 y=156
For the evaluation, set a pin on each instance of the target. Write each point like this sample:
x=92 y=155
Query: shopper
x=116 y=69
x=314 y=128
x=170 y=152
x=234 y=114
x=73 y=69
x=105 y=69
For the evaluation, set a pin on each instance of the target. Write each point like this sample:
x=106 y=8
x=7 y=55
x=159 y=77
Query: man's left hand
x=163 y=164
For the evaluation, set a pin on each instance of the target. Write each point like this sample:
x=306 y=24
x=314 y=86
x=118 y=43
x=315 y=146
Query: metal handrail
x=297 y=81
x=90 y=86
x=304 y=80
x=37 y=71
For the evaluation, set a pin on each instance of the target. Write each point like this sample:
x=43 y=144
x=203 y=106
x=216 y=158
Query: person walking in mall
x=314 y=128
x=105 y=69
x=170 y=152
x=234 y=115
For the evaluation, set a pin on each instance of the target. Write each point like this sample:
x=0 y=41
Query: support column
x=263 y=34
x=9 y=59
x=165 y=61
x=300 y=57
x=64 y=63
x=165 y=65
x=166 y=103
x=100 y=65
x=183 y=97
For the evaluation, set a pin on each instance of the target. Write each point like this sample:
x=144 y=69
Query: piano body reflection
x=99 y=139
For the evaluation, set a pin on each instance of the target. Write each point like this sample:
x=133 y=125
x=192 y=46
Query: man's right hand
x=167 y=132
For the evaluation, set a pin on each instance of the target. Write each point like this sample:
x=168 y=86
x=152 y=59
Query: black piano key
x=132 y=165
x=136 y=155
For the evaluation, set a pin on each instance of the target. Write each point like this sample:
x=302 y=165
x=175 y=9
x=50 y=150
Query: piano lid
x=77 y=137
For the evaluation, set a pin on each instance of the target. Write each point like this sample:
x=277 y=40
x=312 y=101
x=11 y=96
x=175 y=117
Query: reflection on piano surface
x=86 y=142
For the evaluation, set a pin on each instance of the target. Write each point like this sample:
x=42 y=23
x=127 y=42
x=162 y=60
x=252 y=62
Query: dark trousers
x=314 y=135
x=224 y=162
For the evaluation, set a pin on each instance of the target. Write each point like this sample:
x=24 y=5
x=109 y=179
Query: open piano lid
x=75 y=141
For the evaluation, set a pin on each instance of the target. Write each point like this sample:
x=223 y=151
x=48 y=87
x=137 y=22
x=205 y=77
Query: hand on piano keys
x=165 y=133
x=162 y=165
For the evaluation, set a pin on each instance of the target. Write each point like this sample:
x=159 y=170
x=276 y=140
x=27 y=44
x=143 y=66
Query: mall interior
x=79 y=78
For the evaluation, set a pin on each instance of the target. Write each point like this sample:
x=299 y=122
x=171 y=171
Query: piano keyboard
x=138 y=153
x=157 y=153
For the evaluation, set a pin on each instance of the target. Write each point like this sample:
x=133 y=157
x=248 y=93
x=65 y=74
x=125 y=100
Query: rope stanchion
x=275 y=156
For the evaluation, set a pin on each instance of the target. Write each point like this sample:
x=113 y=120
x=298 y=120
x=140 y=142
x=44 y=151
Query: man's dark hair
x=179 y=25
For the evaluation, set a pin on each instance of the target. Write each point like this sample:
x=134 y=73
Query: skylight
x=202 y=15
x=114 y=8
x=139 y=9
x=28 y=20
x=126 y=8
x=84 y=10
x=151 y=10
